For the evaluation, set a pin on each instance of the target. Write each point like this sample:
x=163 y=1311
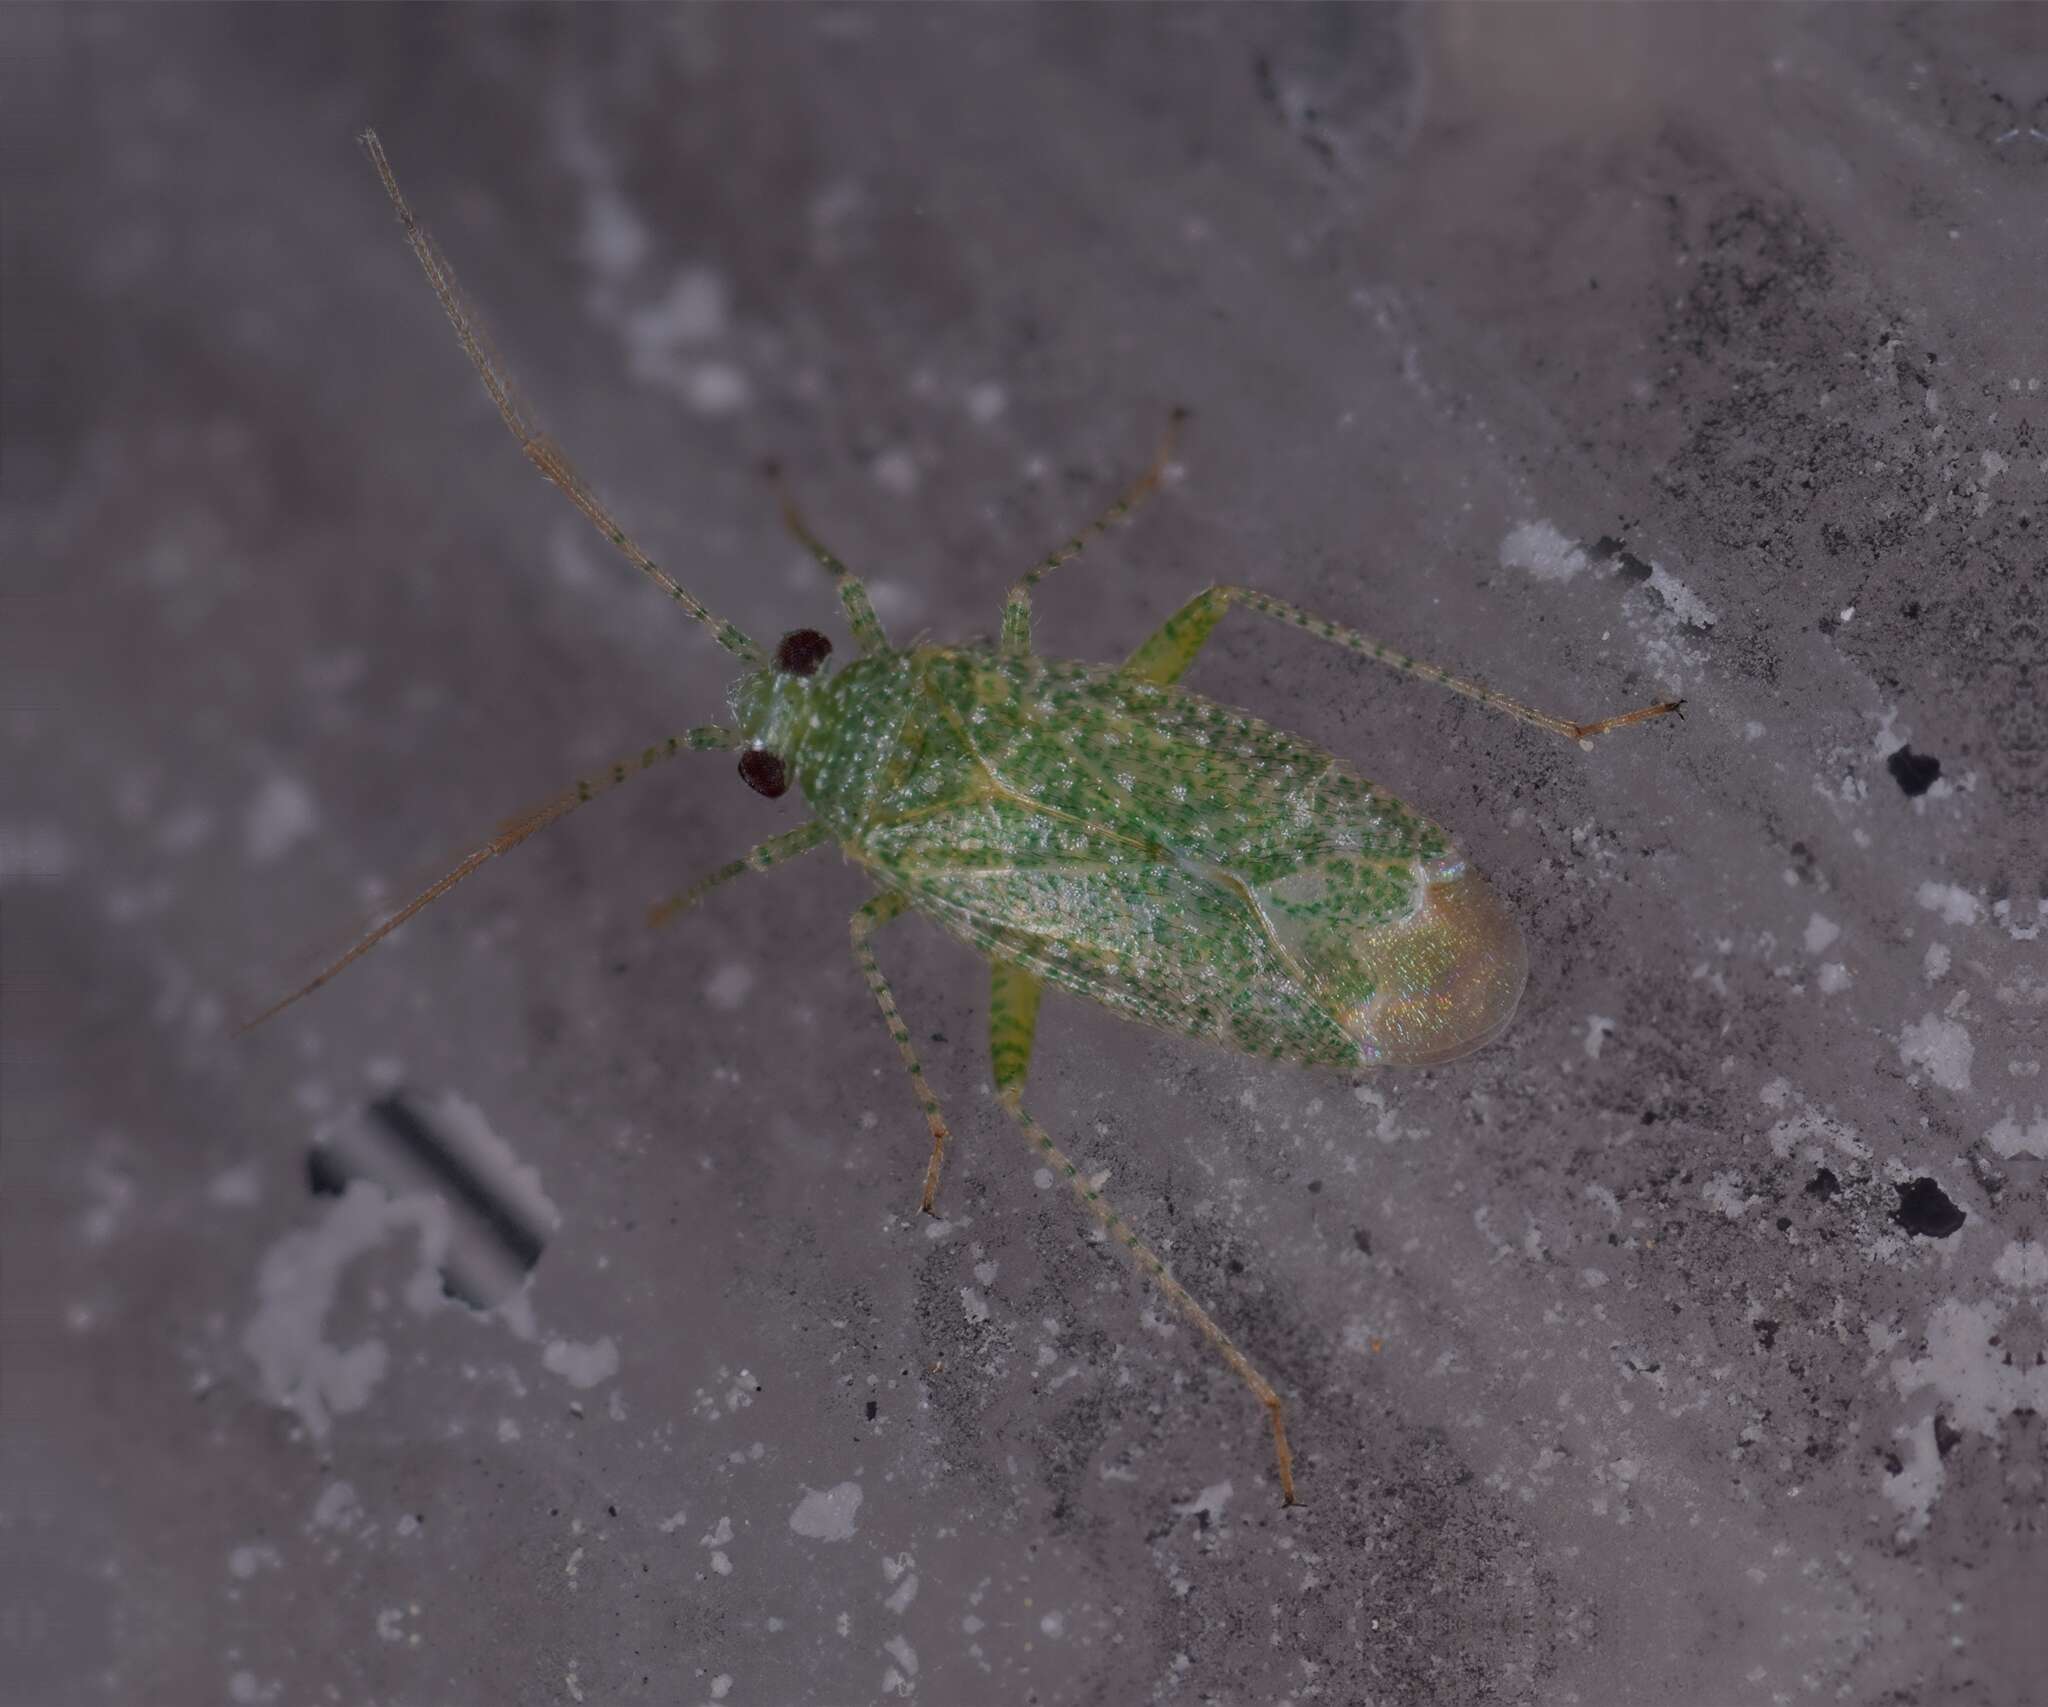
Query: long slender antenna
x=710 y=737
x=540 y=450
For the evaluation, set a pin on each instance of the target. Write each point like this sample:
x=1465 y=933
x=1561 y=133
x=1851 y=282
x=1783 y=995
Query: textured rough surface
x=540 y=1313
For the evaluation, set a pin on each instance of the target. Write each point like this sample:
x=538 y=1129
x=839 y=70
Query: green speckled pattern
x=1178 y=861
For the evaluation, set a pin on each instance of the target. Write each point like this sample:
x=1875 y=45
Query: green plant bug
x=1093 y=827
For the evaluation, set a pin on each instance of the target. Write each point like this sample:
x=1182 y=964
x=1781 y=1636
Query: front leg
x=866 y=921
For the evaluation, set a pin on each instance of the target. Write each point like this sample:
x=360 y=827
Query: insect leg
x=1017 y=607
x=853 y=597
x=1012 y=1022
x=866 y=921
x=1167 y=653
x=1119 y=1233
x=540 y=450
x=708 y=737
x=773 y=851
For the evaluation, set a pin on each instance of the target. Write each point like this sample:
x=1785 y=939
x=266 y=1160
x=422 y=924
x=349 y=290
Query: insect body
x=1094 y=827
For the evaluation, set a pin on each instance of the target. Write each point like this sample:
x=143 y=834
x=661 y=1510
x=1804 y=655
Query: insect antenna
x=510 y=834
x=541 y=450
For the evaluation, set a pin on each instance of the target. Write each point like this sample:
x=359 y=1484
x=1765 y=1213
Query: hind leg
x=1013 y=1023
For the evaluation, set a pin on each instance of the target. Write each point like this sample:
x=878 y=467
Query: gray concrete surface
x=1603 y=352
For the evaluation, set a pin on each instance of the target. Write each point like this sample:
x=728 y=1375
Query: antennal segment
x=540 y=450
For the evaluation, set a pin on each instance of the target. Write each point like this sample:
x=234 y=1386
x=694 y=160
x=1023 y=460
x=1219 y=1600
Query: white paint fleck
x=614 y=241
x=896 y=471
x=1681 y=600
x=897 y=1568
x=827 y=1514
x=1937 y=962
x=1210 y=1502
x=1724 y=1193
x=2023 y=1265
x=582 y=1365
x=1956 y=905
x=338 y=1507
x=986 y=402
x=280 y=817
x=296 y=1286
x=1967 y=1367
x=245 y=1561
x=1821 y=934
x=897 y=1679
x=717 y=388
x=730 y=985
x=974 y=1304
x=1834 y=978
x=1541 y=550
x=1054 y=1624
x=721 y=1686
x=1942 y=1047
x=2013 y=1137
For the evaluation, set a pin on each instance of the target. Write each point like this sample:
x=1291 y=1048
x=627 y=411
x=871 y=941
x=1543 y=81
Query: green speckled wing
x=1152 y=850
x=1213 y=784
x=1161 y=943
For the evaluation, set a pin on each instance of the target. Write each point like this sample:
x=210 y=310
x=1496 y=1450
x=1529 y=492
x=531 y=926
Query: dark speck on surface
x=1926 y=1211
x=1915 y=773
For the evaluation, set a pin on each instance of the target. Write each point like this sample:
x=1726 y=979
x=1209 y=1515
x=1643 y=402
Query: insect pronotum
x=1091 y=826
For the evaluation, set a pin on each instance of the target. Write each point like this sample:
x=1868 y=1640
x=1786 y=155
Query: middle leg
x=773 y=851
x=1017 y=607
x=866 y=921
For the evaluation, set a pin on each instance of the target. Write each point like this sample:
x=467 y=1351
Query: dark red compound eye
x=764 y=772
x=802 y=651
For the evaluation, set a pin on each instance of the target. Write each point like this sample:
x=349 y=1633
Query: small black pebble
x=1362 y=1239
x=1824 y=1184
x=1926 y=1211
x=325 y=1177
x=1915 y=773
x=872 y=1408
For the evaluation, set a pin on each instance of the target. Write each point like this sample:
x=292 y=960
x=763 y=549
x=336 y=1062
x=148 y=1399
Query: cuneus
x=1095 y=827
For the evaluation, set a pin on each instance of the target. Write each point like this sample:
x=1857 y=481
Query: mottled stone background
x=1686 y=1346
